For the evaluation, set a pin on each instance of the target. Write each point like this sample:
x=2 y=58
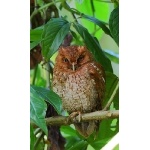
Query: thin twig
x=111 y=98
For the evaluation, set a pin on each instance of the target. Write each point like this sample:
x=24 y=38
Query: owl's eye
x=80 y=57
x=65 y=60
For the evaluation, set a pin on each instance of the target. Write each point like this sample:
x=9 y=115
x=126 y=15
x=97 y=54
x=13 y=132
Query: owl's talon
x=75 y=114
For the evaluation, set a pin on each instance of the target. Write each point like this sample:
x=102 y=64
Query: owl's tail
x=87 y=128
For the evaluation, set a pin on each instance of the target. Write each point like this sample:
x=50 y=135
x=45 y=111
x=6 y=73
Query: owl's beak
x=74 y=66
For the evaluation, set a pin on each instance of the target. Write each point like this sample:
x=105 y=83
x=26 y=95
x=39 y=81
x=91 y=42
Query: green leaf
x=94 y=47
x=33 y=44
x=101 y=24
x=53 y=35
x=114 y=24
x=95 y=9
x=39 y=80
x=116 y=147
x=50 y=97
x=70 y=140
x=90 y=147
x=98 y=144
x=37 y=110
x=35 y=34
x=79 y=1
x=32 y=138
x=79 y=145
x=112 y=56
x=68 y=130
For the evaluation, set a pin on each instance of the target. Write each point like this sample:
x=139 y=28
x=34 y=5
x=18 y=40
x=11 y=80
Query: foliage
x=114 y=24
x=51 y=23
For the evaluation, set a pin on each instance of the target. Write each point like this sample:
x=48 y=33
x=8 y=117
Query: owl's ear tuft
x=81 y=47
x=61 y=49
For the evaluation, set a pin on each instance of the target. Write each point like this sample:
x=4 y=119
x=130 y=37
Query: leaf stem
x=111 y=98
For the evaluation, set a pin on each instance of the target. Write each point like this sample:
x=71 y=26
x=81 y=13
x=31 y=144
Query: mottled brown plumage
x=80 y=82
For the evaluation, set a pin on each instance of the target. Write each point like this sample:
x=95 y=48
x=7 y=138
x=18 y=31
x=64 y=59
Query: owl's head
x=73 y=57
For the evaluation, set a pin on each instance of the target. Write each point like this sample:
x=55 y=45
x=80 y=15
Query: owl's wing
x=98 y=74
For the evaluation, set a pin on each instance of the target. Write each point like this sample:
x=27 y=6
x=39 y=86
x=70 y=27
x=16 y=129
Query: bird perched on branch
x=80 y=82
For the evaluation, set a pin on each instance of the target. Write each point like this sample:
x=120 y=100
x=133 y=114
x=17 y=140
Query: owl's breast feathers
x=80 y=90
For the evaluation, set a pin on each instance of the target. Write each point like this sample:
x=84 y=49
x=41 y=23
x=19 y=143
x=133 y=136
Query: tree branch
x=98 y=115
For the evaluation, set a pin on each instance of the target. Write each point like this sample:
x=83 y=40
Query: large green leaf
x=53 y=35
x=114 y=24
x=50 y=97
x=94 y=47
x=37 y=110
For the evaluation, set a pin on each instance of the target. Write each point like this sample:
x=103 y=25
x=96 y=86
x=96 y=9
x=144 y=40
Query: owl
x=80 y=82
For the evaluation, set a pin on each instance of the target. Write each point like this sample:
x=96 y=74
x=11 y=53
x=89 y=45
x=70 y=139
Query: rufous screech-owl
x=80 y=83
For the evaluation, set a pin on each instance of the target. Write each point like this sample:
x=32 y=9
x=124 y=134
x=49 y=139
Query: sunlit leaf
x=95 y=9
x=37 y=110
x=94 y=47
x=50 y=97
x=116 y=147
x=90 y=147
x=53 y=35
